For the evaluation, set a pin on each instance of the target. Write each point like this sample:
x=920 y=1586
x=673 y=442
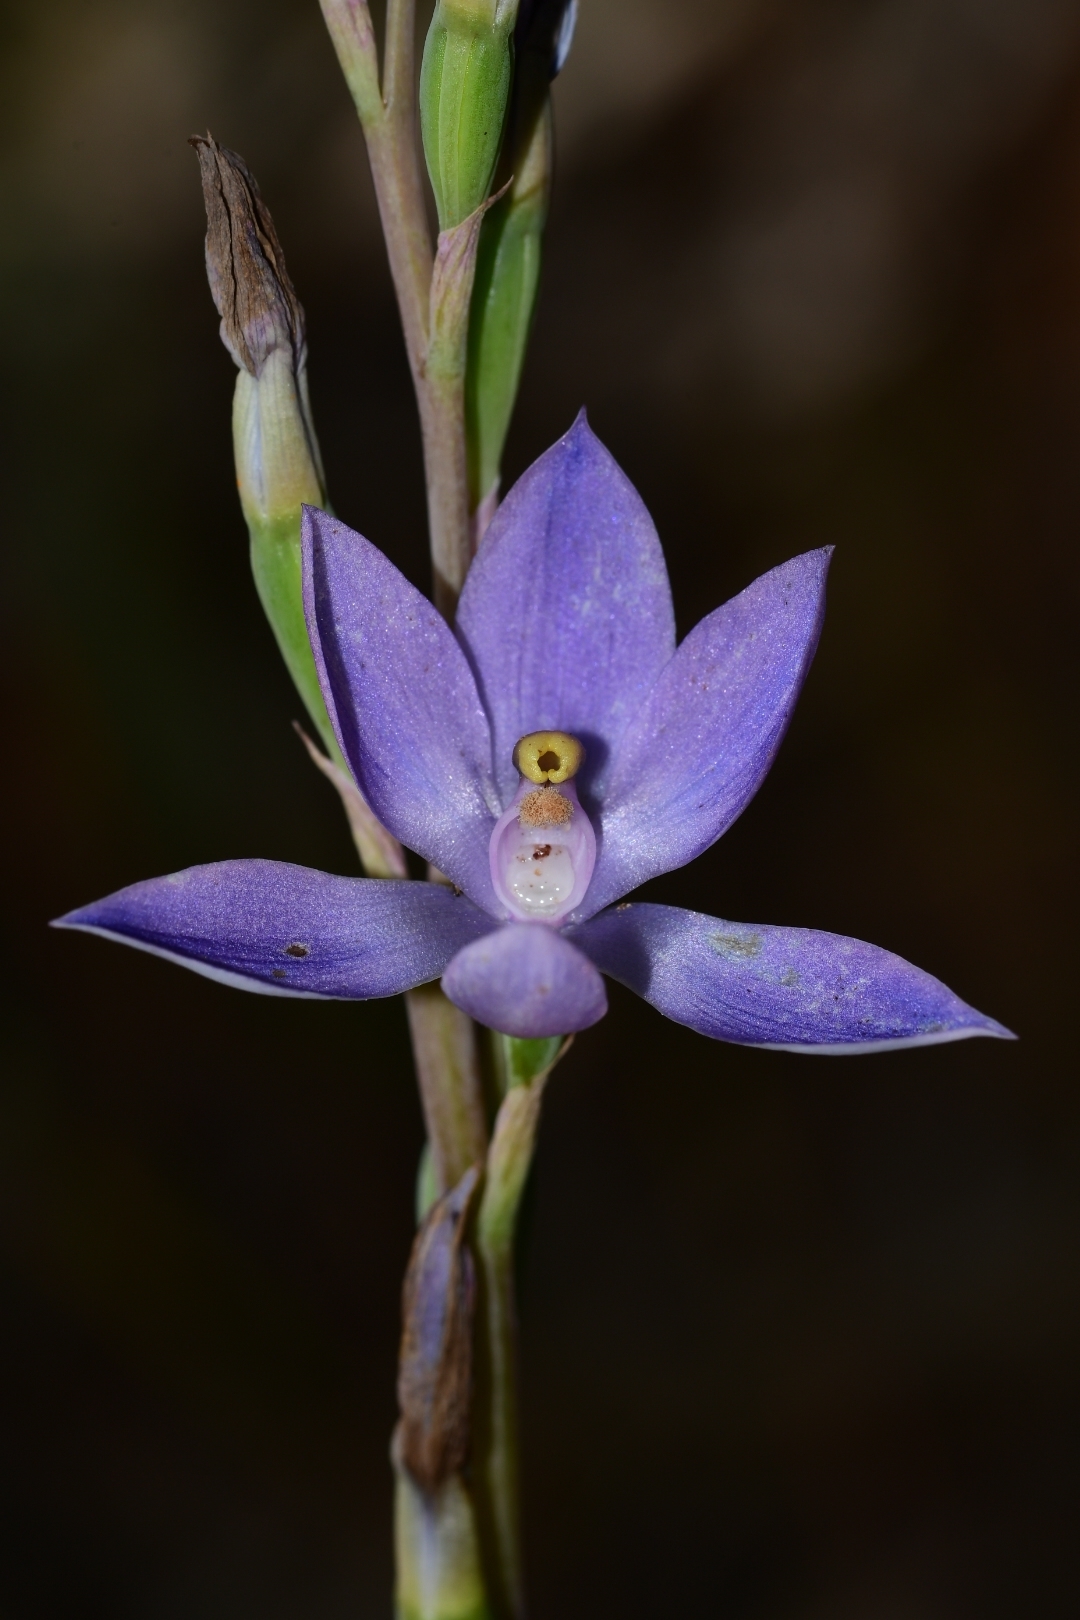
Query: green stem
x=444 y=1040
x=448 y=1071
x=436 y=1552
x=442 y=1534
x=389 y=121
x=444 y=383
x=525 y=1066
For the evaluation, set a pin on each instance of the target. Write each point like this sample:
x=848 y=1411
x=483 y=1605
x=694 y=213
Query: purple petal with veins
x=287 y=930
x=794 y=989
x=566 y=613
x=403 y=703
x=700 y=746
x=526 y=980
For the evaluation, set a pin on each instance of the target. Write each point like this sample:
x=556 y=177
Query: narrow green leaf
x=504 y=298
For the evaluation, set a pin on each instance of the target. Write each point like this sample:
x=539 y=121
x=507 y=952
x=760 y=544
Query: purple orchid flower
x=548 y=758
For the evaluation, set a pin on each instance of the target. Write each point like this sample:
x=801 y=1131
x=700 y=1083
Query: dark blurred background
x=799 y=1334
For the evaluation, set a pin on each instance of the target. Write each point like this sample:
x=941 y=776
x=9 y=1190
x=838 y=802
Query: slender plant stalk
x=444 y=1039
x=496 y=1415
x=434 y=292
x=447 y=1068
x=397 y=169
x=399 y=180
x=389 y=121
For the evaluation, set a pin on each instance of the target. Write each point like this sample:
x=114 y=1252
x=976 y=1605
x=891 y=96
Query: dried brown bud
x=259 y=309
x=435 y=1365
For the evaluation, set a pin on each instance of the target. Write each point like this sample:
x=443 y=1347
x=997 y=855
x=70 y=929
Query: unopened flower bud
x=435 y=1365
x=439 y=1570
x=278 y=468
x=464 y=89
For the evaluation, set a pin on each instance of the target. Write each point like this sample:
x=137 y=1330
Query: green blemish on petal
x=736 y=947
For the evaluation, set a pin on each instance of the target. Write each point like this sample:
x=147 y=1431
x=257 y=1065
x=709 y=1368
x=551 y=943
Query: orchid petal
x=287 y=930
x=566 y=613
x=789 y=989
x=700 y=746
x=526 y=980
x=403 y=703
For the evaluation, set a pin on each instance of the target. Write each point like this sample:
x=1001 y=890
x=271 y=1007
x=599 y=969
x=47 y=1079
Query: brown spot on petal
x=737 y=947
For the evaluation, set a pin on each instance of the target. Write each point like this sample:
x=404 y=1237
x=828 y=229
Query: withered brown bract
x=245 y=265
x=435 y=1367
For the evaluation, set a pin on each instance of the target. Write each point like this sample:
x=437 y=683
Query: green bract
x=275 y=563
x=464 y=89
x=504 y=298
x=277 y=471
x=521 y=1061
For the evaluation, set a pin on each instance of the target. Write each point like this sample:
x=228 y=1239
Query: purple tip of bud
x=564 y=37
x=547 y=26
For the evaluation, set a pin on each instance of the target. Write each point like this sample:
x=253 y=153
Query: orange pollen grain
x=547 y=807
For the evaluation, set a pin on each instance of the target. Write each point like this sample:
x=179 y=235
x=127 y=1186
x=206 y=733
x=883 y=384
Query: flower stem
x=458 y=1548
x=438 y=1571
x=448 y=1071
x=526 y=1066
x=444 y=1040
x=389 y=121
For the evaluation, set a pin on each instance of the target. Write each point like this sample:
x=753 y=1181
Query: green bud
x=278 y=467
x=435 y=1361
x=464 y=89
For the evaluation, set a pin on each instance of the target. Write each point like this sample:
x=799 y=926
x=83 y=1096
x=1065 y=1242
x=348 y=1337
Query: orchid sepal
x=564 y=639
